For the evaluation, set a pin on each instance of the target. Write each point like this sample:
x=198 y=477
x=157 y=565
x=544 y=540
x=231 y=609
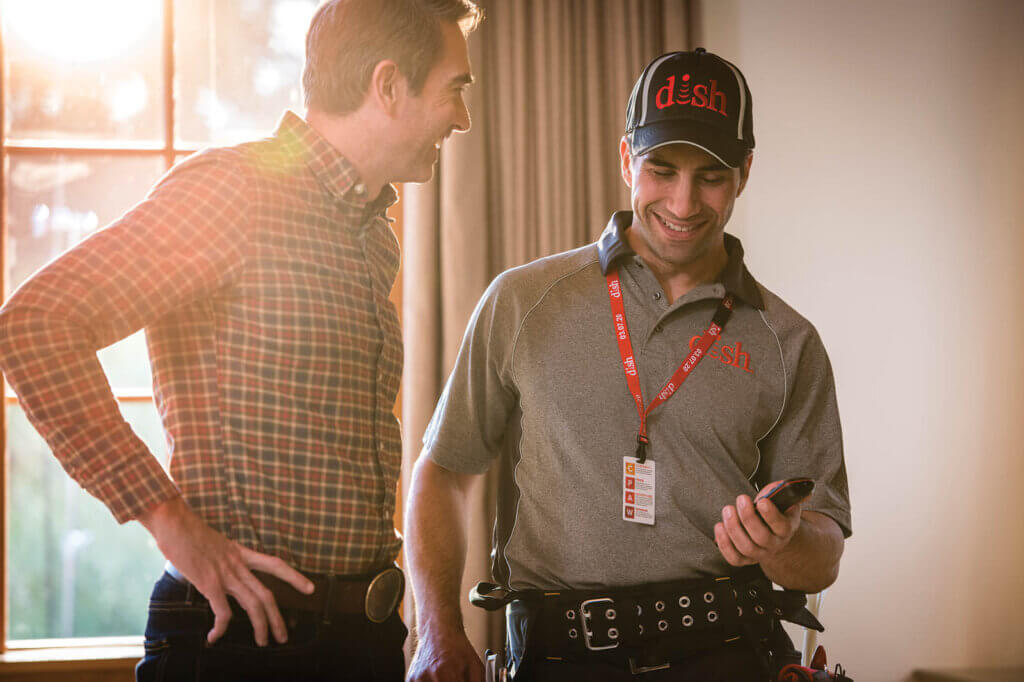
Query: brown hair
x=348 y=38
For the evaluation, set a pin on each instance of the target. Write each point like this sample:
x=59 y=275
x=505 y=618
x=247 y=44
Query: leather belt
x=716 y=610
x=644 y=627
x=375 y=595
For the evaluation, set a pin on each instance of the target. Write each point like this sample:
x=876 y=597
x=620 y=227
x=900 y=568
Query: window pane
x=54 y=202
x=126 y=364
x=84 y=69
x=238 y=66
x=73 y=571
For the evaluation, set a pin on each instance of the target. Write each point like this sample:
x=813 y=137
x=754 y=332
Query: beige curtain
x=537 y=174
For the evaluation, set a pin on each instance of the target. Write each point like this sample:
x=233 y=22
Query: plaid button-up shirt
x=261 y=274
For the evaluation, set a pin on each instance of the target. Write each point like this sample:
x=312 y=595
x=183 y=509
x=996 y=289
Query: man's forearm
x=436 y=537
x=810 y=562
x=49 y=358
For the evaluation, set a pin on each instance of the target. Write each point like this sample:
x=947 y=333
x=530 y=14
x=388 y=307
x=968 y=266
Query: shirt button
x=360 y=188
x=658 y=329
x=657 y=295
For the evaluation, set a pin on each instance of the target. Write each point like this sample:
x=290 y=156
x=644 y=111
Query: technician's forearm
x=436 y=537
x=810 y=562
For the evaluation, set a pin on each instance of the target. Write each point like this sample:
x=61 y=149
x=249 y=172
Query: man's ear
x=745 y=172
x=387 y=86
x=626 y=168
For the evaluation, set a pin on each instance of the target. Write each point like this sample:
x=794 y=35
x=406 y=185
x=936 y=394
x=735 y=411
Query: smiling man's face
x=682 y=197
x=426 y=119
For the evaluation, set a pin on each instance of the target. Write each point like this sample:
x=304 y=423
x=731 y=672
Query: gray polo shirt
x=539 y=389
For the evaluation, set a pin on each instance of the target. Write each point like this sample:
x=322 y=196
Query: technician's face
x=682 y=197
x=428 y=118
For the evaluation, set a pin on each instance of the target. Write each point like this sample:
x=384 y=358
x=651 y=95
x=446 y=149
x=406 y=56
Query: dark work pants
x=730 y=663
x=349 y=647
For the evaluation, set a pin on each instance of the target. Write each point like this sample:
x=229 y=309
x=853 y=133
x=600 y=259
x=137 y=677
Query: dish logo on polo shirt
x=734 y=356
x=704 y=95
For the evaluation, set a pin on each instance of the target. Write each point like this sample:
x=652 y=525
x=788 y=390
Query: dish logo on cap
x=704 y=95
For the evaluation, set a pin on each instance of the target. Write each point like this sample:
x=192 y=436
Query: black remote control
x=789 y=492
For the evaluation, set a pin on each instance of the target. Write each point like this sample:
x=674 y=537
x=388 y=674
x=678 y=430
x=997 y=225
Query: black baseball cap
x=694 y=98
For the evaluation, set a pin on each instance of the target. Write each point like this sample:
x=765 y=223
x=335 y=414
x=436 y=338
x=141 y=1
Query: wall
x=885 y=203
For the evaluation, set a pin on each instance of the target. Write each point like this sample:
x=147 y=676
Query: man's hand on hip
x=445 y=658
x=219 y=567
x=744 y=538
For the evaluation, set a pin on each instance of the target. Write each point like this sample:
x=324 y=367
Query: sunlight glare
x=127 y=98
x=74 y=31
x=288 y=26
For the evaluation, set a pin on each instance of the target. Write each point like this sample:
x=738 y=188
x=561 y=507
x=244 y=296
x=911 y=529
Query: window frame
x=114 y=654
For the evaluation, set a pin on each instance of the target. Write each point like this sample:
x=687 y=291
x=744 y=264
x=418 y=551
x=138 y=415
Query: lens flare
x=74 y=31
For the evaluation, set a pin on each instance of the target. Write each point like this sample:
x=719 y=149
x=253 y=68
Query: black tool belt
x=646 y=623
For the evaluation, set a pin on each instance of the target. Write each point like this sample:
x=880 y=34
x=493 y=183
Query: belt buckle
x=640 y=669
x=383 y=594
x=588 y=634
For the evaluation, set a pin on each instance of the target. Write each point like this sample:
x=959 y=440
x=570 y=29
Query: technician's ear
x=387 y=86
x=745 y=172
x=627 y=168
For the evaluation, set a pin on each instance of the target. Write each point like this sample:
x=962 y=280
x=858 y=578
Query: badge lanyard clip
x=641 y=447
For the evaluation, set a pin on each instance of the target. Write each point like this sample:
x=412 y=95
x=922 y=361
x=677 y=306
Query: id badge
x=638 y=491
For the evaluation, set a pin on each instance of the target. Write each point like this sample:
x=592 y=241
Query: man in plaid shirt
x=261 y=274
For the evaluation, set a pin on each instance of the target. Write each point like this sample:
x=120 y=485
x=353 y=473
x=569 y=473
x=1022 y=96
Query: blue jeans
x=349 y=647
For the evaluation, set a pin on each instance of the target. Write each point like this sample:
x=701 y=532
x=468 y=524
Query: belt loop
x=327 y=600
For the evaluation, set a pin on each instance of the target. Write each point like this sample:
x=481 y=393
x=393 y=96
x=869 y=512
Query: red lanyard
x=713 y=331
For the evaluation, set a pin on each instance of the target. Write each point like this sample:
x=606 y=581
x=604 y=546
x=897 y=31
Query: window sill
x=55 y=655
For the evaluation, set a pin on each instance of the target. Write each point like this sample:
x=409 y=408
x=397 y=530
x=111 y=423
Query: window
x=98 y=100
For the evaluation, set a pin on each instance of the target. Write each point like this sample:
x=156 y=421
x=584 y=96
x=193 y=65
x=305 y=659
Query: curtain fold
x=538 y=173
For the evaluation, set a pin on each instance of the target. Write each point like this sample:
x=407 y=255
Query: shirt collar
x=331 y=168
x=613 y=246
